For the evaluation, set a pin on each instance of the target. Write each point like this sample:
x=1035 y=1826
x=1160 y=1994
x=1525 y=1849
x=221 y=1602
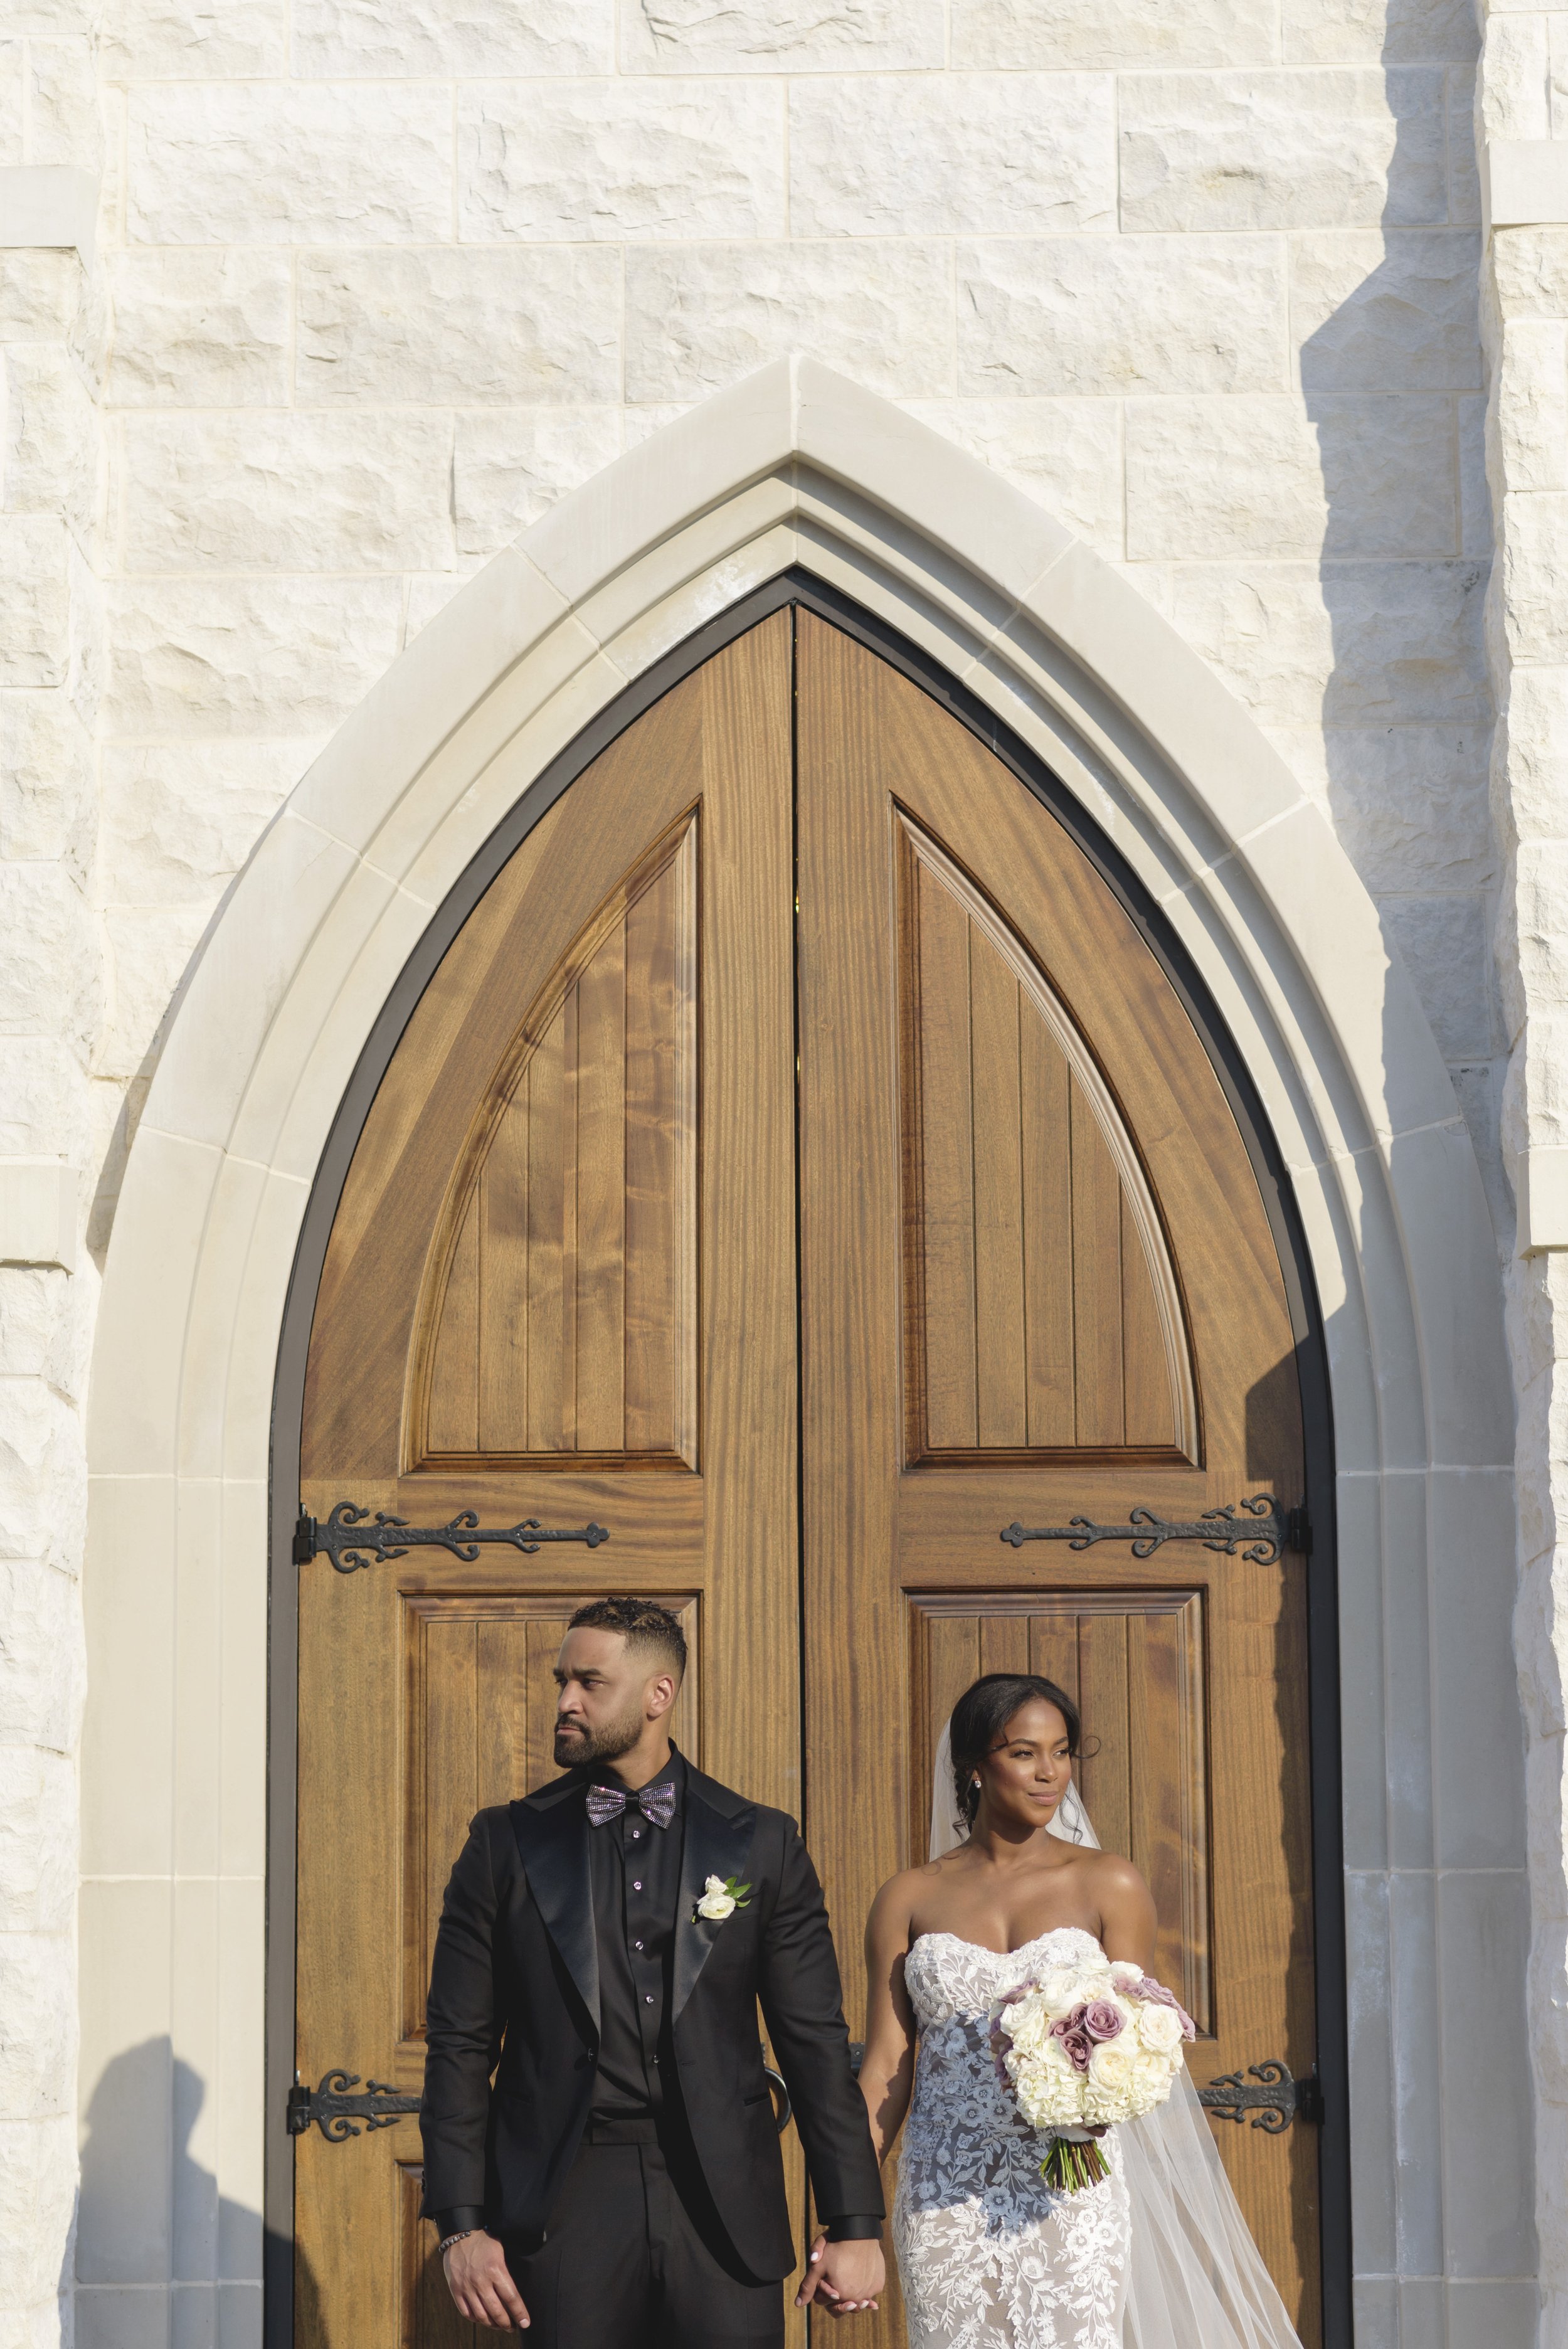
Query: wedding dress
x=1157 y=2256
x=991 y=2257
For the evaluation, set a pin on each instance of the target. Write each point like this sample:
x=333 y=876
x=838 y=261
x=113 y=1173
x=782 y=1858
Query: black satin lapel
x=554 y=1845
x=715 y=1846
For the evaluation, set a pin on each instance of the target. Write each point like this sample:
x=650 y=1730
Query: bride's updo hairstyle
x=981 y=1717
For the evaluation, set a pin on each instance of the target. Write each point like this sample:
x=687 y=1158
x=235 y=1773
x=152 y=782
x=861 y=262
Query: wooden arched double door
x=801 y=1168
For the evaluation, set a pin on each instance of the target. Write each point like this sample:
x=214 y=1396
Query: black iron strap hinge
x=352 y=1538
x=337 y=2111
x=1262 y=1531
x=1272 y=2103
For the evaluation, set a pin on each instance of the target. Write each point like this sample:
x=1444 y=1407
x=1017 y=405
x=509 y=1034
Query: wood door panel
x=480 y=1710
x=1133 y=1661
x=968 y=1212
x=557 y=1322
x=1042 y=1311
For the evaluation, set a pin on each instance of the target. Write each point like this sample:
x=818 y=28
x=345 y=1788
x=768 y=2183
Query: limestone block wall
x=1524 y=121
x=379 y=280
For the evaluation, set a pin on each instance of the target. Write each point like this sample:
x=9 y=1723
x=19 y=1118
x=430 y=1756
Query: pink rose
x=1101 y=2019
x=1077 y=2047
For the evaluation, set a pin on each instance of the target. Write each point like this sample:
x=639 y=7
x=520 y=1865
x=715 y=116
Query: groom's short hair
x=642 y=1623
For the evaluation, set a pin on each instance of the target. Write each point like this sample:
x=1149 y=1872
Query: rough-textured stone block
x=1395 y=313
x=1532 y=404
x=13 y=103
x=41 y=1680
x=1529 y=272
x=1475 y=494
x=1516 y=77
x=37 y=1324
x=257 y=163
x=1111 y=315
x=1408 y=803
x=46 y=813
x=63 y=123
x=483 y=328
x=250 y=656
x=1538 y=751
x=1373 y=32
x=37 y=2016
x=199 y=329
x=37 y=2197
x=1446 y=950
x=1464 y=172
x=302 y=492
x=510 y=465
x=779 y=35
x=48 y=957
x=148 y=951
x=35 y=601
x=50 y=439
x=1065 y=453
x=1345 y=147
x=180 y=819
x=1535 y=575
x=621 y=158
x=39 y=294
x=699 y=317
x=1271 y=475
x=1052 y=33
x=1352 y=643
x=453 y=36
x=967 y=154
x=190 y=40
x=37 y=1841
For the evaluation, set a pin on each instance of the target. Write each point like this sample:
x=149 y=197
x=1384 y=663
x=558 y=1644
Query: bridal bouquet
x=1083 y=2045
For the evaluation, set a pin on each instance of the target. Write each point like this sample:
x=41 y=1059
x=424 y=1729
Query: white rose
x=1109 y=2092
x=1061 y=1989
x=716 y=1902
x=1152 y=2077
x=1158 y=2028
x=1027 y=2025
x=1125 y=1974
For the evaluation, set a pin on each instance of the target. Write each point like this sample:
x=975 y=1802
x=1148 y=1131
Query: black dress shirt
x=634 y=1871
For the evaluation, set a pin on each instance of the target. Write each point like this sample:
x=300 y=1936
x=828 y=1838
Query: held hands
x=480 y=2284
x=844 y=2277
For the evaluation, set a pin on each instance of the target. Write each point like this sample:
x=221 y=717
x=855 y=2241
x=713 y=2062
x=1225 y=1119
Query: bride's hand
x=844 y=2277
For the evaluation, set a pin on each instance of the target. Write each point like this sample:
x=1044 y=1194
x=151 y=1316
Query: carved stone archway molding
x=796 y=467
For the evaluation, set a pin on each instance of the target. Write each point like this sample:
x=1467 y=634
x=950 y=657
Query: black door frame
x=798 y=588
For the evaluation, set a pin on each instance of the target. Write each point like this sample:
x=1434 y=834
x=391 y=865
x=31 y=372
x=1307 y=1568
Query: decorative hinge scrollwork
x=1274 y=2104
x=352 y=1537
x=1263 y=1533
x=336 y=2110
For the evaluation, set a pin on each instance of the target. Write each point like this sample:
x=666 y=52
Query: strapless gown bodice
x=990 y=2257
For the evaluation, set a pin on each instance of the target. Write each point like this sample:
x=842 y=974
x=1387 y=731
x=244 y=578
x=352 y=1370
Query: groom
x=602 y=1951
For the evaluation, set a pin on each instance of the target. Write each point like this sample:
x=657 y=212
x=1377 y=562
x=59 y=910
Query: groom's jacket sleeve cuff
x=461 y=2222
x=854 y=2230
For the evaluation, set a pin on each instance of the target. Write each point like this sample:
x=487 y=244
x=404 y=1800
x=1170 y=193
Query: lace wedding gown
x=990 y=2257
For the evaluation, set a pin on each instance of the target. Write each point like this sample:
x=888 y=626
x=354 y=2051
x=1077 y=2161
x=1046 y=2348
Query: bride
x=1158 y=2255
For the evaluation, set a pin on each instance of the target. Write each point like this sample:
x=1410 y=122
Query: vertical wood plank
x=1054 y=1651
x=1149 y=1403
x=549 y=1363
x=1004 y=1642
x=948 y=1166
x=503 y=1292
x=656 y=1167
x=1001 y=1405
x=1106 y=1772
x=1045 y=1119
x=600 y=1288
x=447 y=1778
x=1096 y=1280
x=454 y=1379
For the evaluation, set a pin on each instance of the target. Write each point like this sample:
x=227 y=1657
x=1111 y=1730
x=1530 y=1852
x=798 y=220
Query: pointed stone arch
x=471 y=728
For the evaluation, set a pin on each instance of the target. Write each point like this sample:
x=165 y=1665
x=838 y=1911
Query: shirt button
x=636 y=1945
x=647 y=1998
x=637 y=1834
x=637 y=1886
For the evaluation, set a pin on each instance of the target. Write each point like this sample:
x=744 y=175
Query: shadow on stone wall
x=151 y=2218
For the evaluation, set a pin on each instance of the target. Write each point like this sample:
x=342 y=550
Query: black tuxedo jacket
x=514 y=1993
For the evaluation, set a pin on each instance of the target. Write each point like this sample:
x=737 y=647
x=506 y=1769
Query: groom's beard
x=576 y=1744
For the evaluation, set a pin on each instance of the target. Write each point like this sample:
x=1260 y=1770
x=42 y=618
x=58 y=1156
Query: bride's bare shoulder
x=902 y=1894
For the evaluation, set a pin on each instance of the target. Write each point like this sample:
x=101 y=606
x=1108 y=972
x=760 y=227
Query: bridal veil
x=1195 y=2278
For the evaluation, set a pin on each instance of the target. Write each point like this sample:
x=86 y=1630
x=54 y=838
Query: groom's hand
x=480 y=2284
x=844 y=2277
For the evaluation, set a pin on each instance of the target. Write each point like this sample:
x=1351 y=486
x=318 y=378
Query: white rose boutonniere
x=721 y=1897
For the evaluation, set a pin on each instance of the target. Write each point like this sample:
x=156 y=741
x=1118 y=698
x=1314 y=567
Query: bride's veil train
x=1195 y=2278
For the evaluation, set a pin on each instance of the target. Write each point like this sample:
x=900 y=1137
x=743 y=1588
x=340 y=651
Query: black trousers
x=635 y=2258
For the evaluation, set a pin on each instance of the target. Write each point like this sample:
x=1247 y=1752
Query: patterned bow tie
x=657 y=1803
